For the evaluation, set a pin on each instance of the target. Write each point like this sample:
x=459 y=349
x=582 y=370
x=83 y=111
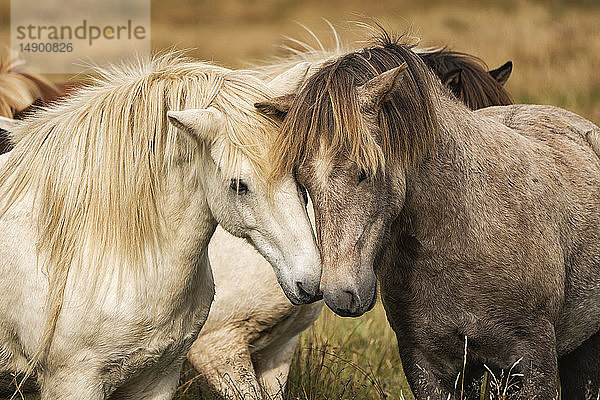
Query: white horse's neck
x=180 y=281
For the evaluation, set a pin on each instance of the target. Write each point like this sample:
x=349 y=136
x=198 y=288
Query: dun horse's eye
x=362 y=176
x=238 y=186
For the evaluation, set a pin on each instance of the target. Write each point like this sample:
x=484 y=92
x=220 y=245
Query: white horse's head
x=272 y=216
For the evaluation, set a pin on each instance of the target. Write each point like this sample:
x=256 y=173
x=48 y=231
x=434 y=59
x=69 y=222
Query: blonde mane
x=97 y=162
x=19 y=89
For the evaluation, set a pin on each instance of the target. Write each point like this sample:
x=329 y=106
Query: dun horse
x=106 y=214
x=483 y=228
x=245 y=348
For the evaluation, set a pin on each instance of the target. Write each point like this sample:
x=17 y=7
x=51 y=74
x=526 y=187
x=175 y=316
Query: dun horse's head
x=350 y=135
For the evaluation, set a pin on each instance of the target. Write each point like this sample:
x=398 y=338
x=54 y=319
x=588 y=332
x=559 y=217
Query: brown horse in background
x=483 y=228
x=19 y=91
x=468 y=78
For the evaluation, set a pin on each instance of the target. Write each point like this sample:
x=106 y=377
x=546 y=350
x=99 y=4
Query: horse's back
x=542 y=121
x=577 y=142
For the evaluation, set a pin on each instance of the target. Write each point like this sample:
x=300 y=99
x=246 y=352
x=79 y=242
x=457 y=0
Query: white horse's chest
x=153 y=332
x=124 y=333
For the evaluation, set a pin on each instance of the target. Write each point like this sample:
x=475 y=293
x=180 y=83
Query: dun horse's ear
x=380 y=88
x=201 y=124
x=277 y=107
x=8 y=124
x=290 y=80
x=502 y=73
x=452 y=78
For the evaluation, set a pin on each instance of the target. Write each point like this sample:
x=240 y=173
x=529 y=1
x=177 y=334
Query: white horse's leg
x=223 y=360
x=272 y=366
x=71 y=384
x=151 y=386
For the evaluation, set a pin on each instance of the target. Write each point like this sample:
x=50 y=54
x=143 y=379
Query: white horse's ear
x=201 y=124
x=381 y=87
x=8 y=124
x=290 y=80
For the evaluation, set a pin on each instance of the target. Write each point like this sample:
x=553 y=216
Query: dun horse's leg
x=223 y=360
x=539 y=364
x=419 y=374
x=580 y=371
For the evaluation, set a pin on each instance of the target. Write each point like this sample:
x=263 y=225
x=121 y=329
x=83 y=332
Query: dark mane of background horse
x=468 y=78
x=21 y=89
x=19 y=92
x=327 y=107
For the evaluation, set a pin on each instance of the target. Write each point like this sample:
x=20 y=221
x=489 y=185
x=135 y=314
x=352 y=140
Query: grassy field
x=354 y=358
x=555 y=47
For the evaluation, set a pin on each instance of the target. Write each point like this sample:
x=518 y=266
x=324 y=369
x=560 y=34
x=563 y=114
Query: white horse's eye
x=238 y=186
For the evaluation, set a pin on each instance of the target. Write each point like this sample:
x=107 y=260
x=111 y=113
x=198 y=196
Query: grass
x=555 y=47
x=337 y=358
x=348 y=359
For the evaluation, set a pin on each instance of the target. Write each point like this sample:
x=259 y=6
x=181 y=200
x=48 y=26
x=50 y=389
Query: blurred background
x=555 y=45
x=555 y=48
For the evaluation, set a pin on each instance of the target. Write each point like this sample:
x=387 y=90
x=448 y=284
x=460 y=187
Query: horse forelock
x=326 y=117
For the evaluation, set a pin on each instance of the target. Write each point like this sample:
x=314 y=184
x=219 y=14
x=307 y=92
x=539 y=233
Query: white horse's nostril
x=308 y=296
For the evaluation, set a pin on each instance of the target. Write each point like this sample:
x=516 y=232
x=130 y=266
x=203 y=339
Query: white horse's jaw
x=298 y=269
x=288 y=243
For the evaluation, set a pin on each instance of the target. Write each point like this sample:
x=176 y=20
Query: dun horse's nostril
x=352 y=301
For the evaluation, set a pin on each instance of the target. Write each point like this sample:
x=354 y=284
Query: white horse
x=106 y=211
x=245 y=349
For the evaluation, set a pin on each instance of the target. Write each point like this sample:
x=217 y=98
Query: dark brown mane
x=327 y=111
x=477 y=88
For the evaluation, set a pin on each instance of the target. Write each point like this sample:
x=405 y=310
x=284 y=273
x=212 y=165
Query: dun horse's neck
x=443 y=177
